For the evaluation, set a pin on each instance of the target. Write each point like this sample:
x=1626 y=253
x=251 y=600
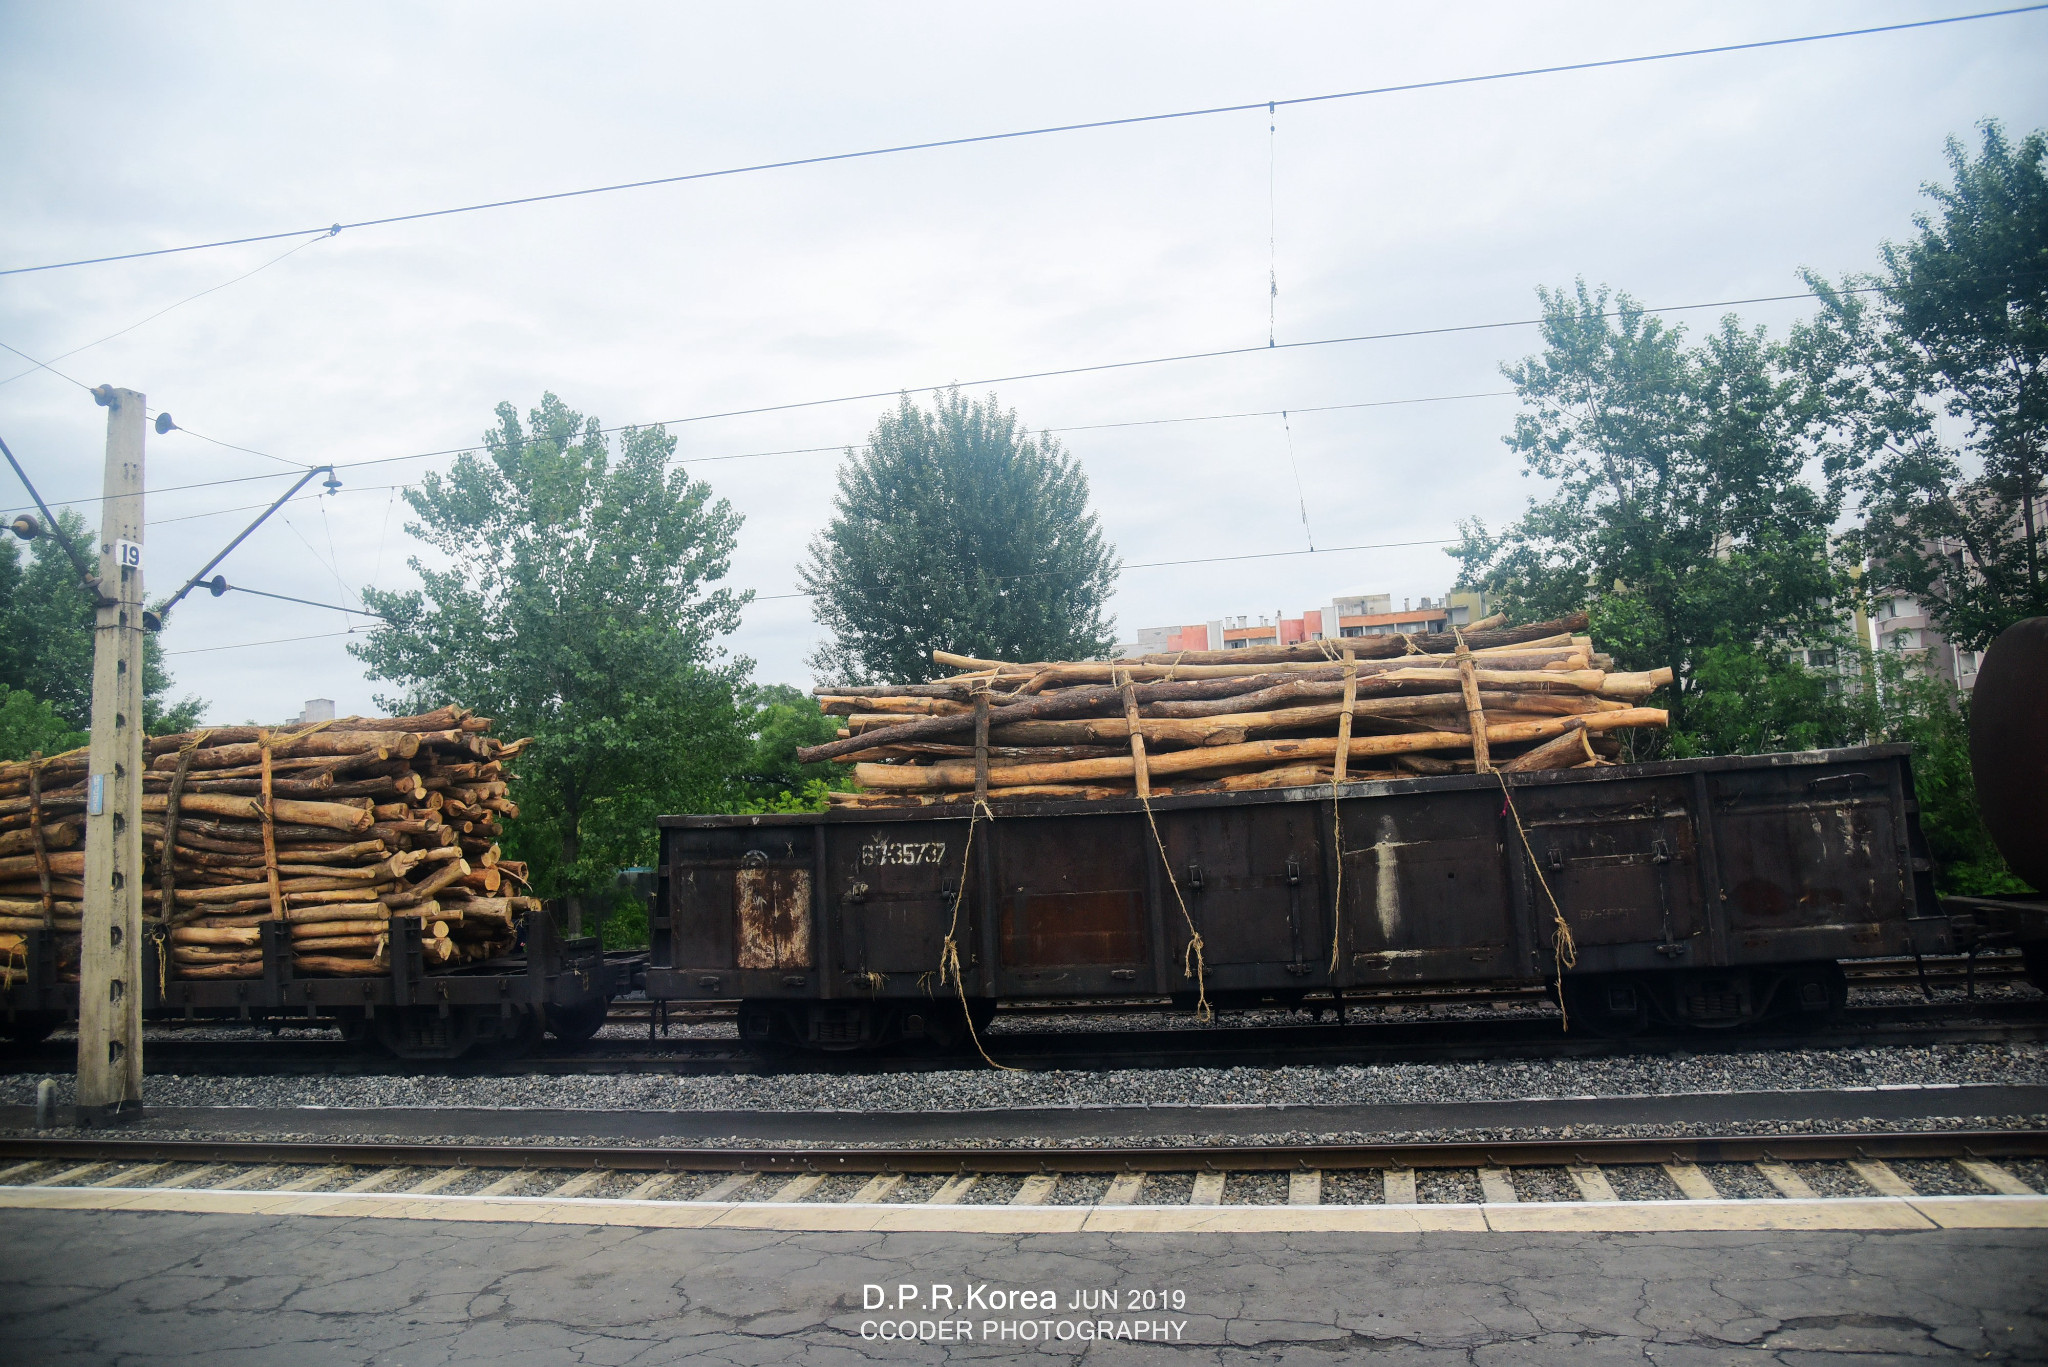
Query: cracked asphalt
x=233 y=1291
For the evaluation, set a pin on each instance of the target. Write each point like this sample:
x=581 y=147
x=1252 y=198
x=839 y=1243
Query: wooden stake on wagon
x=270 y=834
x=981 y=745
x=1475 y=716
x=1138 y=764
x=1344 y=717
x=167 y=843
x=35 y=822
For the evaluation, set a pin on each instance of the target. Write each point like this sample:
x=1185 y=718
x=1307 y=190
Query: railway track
x=1807 y=1171
x=1423 y=1040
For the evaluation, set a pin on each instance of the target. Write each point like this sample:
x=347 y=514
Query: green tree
x=782 y=720
x=1690 y=488
x=28 y=724
x=46 y=618
x=957 y=530
x=576 y=607
x=1909 y=705
x=1750 y=700
x=1961 y=327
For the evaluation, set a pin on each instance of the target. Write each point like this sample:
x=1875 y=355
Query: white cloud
x=1703 y=179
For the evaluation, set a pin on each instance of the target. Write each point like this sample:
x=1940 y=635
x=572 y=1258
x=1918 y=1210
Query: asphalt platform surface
x=113 y=1287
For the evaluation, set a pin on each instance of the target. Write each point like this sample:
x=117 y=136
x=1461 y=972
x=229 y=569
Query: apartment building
x=1902 y=624
x=1371 y=614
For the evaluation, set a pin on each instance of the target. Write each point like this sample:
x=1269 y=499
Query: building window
x=1351 y=631
x=1235 y=645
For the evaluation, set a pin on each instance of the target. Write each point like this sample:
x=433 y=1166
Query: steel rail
x=1423 y=1040
x=1524 y=1153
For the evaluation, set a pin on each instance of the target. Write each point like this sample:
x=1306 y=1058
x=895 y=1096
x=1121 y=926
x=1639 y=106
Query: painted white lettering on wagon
x=905 y=853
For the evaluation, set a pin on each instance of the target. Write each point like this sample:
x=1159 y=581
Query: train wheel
x=766 y=1025
x=1811 y=996
x=516 y=1036
x=422 y=1032
x=577 y=1023
x=354 y=1027
x=1611 y=1007
x=948 y=1029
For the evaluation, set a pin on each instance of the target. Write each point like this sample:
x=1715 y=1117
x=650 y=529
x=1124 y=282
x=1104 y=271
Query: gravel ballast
x=983 y=1089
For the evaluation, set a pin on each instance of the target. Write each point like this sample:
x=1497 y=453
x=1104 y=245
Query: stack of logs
x=334 y=829
x=1345 y=710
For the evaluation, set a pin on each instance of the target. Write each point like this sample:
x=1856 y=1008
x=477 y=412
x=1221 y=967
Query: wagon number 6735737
x=884 y=852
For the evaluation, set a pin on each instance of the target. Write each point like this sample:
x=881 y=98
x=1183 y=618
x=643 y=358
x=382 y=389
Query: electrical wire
x=161 y=312
x=250 y=645
x=297 y=466
x=1402 y=335
x=306 y=602
x=756 y=455
x=1300 y=494
x=1198 y=560
x=214 y=512
x=333 y=229
x=1272 y=224
x=1406 y=334
x=333 y=558
x=45 y=365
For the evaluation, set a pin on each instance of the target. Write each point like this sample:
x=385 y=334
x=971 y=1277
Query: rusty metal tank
x=2009 y=747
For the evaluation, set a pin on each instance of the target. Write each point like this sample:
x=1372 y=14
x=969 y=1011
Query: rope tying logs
x=1564 y=950
x=949 y=952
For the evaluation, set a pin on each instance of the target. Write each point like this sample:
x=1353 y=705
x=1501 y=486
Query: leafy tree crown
x=956 y=529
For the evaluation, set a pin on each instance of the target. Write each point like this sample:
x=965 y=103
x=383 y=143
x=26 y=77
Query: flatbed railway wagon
x=1704 y=893
x=414 y=1011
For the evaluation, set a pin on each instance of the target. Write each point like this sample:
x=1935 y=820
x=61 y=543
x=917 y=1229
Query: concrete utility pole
x=110 y=955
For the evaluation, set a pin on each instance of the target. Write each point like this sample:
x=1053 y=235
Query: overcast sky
x=150 y=125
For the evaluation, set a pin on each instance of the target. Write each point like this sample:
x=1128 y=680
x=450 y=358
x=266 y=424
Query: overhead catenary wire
x=1196 y=560
x=251 y=645
x=211 y=289
x=1219 y=353
x=1272 y=225
x=770 y=597
x=1441 y=83
x=833 y=447
x=1300 y=494
x=307 y=602
x=45 y=365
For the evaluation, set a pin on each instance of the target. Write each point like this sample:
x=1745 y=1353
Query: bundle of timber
x=1356 y=708
x=334 y=829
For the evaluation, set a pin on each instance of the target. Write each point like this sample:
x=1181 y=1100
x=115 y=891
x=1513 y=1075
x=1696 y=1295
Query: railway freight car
x=2009 y=760
x=503 y=1006
x=1703 y=893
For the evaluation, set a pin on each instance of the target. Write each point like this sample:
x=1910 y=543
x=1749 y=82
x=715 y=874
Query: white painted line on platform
x=1829 y=1213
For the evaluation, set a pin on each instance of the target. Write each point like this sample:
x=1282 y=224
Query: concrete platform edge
x=1866 y=1213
